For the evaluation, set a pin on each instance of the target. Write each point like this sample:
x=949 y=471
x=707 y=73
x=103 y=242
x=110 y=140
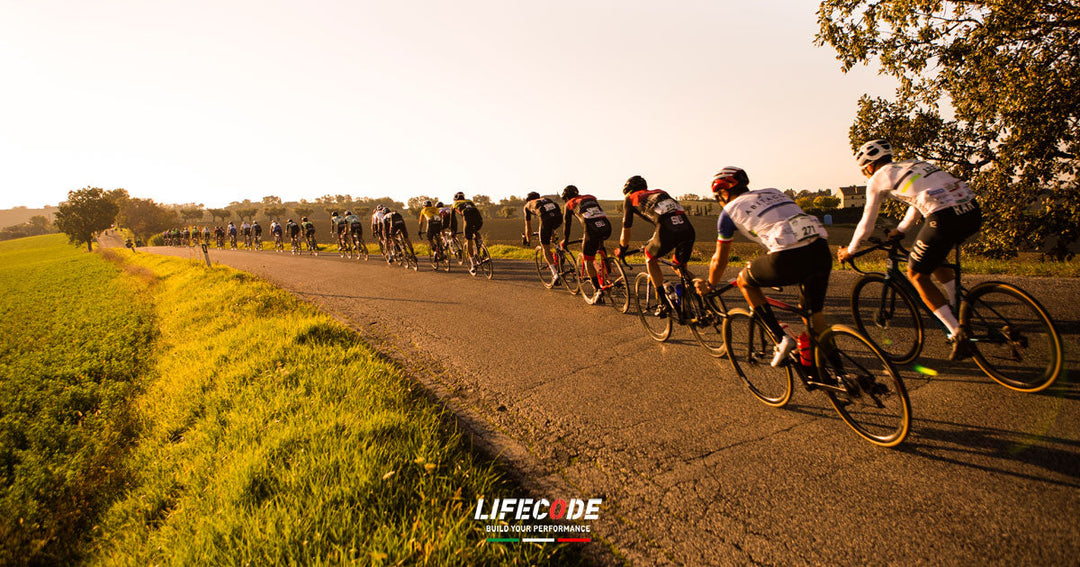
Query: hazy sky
x=213 y=102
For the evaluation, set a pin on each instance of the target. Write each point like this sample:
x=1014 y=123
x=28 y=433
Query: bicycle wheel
x=542 y=270
x=875 y=402
x=889 y=317
x=361 y=248
x=456 y=250
x=484 y=264
x=567 y=268
x=709 y=327
x=647 y=303
x=440 y=260
x=750 y=349
x=588 y=290
x=1014 y=341
x=616 y=284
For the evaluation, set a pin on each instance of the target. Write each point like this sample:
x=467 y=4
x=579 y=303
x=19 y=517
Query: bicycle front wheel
x=887 y=316
x=750 y=350
x=615 y=281
x=874 y=402
x=708 y=329
x=484 y=266
x=568 y=272
x=1013 y=339
x=647 y=303
x=588 y=290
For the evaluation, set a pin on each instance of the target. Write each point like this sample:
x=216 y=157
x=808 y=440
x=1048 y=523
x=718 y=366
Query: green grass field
x=229 y=423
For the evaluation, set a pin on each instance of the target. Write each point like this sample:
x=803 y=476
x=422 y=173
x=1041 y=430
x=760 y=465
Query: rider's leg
x=934 y=299
x=946 y=277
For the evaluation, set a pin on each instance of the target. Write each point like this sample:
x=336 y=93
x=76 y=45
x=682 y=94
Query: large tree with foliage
x=145 y=218
x=988 y=89
x=85 y=213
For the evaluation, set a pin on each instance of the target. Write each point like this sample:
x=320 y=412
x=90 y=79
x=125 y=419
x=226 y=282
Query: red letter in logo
x=561 y=506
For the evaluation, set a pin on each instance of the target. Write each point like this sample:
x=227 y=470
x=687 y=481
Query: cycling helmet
x=290 y=220
x=729 y=178
x=427 y=203
x=348 y=213
x=872 y=151
x=635 y=183
x=303 y=219
x=569 y=193
x=532 y=195
x=333 y=214
x=440 y=204
x=459 y=196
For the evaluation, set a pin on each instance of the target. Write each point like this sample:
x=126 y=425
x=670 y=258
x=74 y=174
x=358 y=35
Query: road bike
x=438 y=255
x=358 y=245
x=232 y=242
x=312 y=246
x=481 y=259
x=1013 y=339
x=861 y=383
x=221 y=241
x=294 y=244
x=704 y=315
x=279 y=243
x=256 y=242
x=452 y=244
x=565 y=266
x=614 y=283
x=399 y=253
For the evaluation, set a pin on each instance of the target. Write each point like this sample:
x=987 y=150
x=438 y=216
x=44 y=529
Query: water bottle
x=804 y=350
x=673 y=294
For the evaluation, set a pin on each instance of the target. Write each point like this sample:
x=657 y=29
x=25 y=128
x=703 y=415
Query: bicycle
x=359 y=246
x=614 y=284
x=294 y=244
x=438 y=255
x=279 y=243
x=400 y=254
x=1013 y=339
x=232 y=242
x=312 y=246
x=221 y=242
x=256 y=243
x=344 y=245
x=453 y=246
x=481 y=258
x=861 y=383
x=565 y=265
x=702 y=315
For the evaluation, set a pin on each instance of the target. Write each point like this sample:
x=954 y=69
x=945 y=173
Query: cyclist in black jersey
x=597 y=229
x=673 y=230
x=550 y=219
x=473 y=222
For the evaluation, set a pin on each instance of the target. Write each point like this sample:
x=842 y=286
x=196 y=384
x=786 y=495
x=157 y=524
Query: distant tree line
x=37 y=225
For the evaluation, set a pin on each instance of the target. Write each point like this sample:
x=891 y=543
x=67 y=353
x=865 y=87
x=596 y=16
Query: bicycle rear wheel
x=709 y=327
x=750 y=350
x=616 y=284
x=484 y=264
x=647 y=303
x=875 y=403
x=585 y=284
x=1013 y=339
x=887 y=316
x=542 y=270
x=568 y=271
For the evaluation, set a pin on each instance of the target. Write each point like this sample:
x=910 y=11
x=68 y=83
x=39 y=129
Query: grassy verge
x=270 y=435
x=77 y=339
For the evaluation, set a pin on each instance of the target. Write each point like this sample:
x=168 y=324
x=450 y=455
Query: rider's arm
x=869 y=216
x=719 y=261
x=568 y=216
x=528 y=227
x=627 y=222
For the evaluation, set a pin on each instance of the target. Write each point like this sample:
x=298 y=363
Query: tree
x=507 y=212
x=482 y=202
x=145 y=218
x=274 y=211
x=1008 y=71
x=216 y=213
x=191 y=213
x=85 y=213
x=303 y=211
x=271 y=200
x=805 y=203
x=416 y=203
x=826 y=203
x=247 y=212
x=690 y=197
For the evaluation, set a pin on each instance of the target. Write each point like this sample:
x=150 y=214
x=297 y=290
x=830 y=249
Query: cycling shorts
x=596 y=232
x=433 y=229
x=941 y=232
x=472 y=226
x=808 y=266
x=672 y=236
x=547 y=228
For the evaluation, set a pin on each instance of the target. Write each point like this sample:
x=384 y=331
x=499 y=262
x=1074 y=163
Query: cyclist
x=337 y=225
x=219 y=235
x=673 y=232
x=293 y=230
x=354 y=226
x=276 y=232
x=473 y=222
x=231 y=230
x=430 y=216
x=797 y=245
x=376 y=224
x=550 y=219
x=596 y=226
x=256 y=229
x=245 y=232
x=449 y=221
x=206 y=235
x=309 y=232
x=394 y=224
x=952 y=215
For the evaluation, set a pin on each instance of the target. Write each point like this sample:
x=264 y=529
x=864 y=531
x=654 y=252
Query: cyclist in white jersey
x=952 y=215
x=798 y=251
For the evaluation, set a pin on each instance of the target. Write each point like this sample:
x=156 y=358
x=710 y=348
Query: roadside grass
x=77 y=339
x=271 y=435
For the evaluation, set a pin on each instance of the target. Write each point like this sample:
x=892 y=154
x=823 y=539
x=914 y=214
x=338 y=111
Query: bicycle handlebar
x=893 y=246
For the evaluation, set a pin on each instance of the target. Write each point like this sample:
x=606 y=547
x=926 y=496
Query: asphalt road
x=695 y=471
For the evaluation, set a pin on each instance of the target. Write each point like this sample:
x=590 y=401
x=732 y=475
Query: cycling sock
x=766 y=315
x=945 y=315
x=554 y=272
x=950 y=290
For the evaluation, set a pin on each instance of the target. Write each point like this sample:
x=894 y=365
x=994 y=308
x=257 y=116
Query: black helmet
x=635 y=183
x=532 y=195
x=333 y=214
x=569 y=193
x=348 y=213
x=730 y=178
x=290 y=220
x=303 y=219
x=440 y=204
x=427 y=203
x=459 y=196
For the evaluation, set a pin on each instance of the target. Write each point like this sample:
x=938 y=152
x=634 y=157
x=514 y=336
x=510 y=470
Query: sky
x=214 y=102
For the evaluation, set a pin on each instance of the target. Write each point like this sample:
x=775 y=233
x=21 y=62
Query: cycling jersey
x=770 y=218
x=309 y=228
x=338 y=224
x=673 y=228
x=921 y=185
x=545 y=208
x=433 y=219
x=448 y=219
x=594 y=221
x=257 y=229
x=275 y=228
x=232 y=230
x=355 y=226
x=292 y=229
x=473 y=219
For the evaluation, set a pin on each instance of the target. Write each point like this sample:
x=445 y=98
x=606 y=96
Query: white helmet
x=872 y=151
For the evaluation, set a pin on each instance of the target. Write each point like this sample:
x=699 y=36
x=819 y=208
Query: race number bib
x=804 y=226
x=594 y=213
x=667 y=206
